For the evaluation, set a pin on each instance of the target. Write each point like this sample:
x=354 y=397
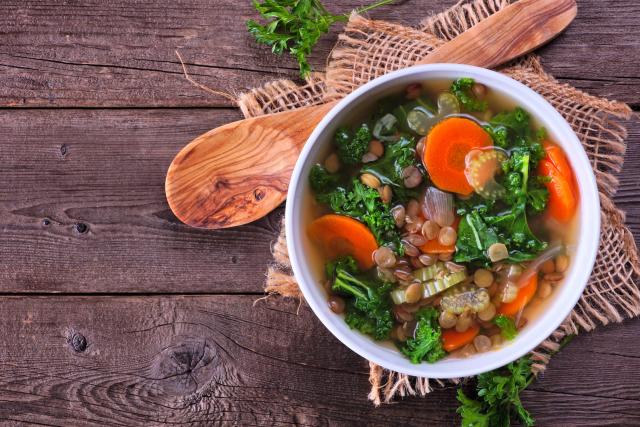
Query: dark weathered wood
x=82 y=207
x=222 y=360
x=119 y=53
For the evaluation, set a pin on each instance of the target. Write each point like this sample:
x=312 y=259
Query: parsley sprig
x=296 y=25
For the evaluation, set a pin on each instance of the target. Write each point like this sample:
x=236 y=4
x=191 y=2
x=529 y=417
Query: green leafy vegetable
x=507 y=326
x=368 y=307
x=296 y=25
x=498 y=397
x=351 y=147
x=461 y=88
x=388 y=169
x=474 y=238
x=366 y=205
x=322 y=181
x=425 y=344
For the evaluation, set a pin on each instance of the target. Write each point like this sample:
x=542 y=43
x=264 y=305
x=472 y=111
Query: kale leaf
x=322 y=181
x=366 y=205
x=474 y=238
x=368 y=308
x=498 y=394
x=388 y=169
x=352 y=146
x=425 y=344
x=461 y=88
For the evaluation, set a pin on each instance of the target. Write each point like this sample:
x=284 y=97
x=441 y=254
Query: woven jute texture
x=367 y=49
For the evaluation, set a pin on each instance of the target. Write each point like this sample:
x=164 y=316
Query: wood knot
x=46 y=222
x=78 y=342
x=80 y=228
x=64 y=150
x=258 y=194
x=183 y=366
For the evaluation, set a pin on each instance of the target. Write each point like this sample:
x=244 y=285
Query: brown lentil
x=384 y=257
x=370 y=180
x=385 y=193
x=496 y=340
x=544 y=289
x=332 y=163
x=369 y=157
x=447 y=320
x=483 y=278
x=430 y=229
x=482 y=343
x=414 y=293
x=336 y=304
x=413 y=208
x=548 y=267
x=479 y=90
x=409 y=249
x=376 y=147
x=464 y=322
x=562 y=263
x=445 y=256
x=553 y=277
x=416 y=239
x=488 y=313
x=427 y=260
x=399 y=214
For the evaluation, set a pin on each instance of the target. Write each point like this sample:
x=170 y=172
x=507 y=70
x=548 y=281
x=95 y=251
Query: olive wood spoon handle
x=240 y=172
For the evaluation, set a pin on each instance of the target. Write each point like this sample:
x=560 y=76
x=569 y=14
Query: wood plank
x=82 y=207
x=118 y=53
x=221 y=360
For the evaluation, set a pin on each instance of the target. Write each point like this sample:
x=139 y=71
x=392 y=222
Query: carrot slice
x=340 y=235
x=555 y=155
x=453 y=340
x=525 y=294
x=447 y=146
x=433 y=246
x=562 y=202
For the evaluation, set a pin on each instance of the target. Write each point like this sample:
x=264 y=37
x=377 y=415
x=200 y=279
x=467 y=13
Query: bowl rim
x=546 y=322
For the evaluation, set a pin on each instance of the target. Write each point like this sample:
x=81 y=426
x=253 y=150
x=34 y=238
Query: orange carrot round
x=555 y=155
x=340 y=235
x=453 y=340
x=447 y=146
x=525 y=294
x=563 y=201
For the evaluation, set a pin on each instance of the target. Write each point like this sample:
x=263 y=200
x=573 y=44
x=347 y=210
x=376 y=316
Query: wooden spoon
x=240 y=172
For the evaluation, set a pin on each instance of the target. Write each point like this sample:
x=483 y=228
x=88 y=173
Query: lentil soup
x=443 y=219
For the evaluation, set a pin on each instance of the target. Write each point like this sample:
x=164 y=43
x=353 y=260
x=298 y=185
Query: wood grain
x=517 y=29
x=82 y=207
x=239 y=172
x=118 y=53
x=220 y=360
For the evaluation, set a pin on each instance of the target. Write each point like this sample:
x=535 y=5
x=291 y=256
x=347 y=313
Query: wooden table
x=114 y=312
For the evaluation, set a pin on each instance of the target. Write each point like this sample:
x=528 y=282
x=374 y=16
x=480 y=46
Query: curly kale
x=461 y=88
x=366 y=205
x=368 y=306
x=352 y=146
x=425 y=344
x=388 y=169
x=498 y=397
x=321 y=181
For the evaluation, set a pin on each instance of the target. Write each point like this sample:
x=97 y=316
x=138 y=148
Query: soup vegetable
x=443 y=217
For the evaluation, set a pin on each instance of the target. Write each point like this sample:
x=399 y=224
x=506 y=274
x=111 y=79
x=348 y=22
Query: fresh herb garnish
x=295 y=26
x=425 y=345
x=498 y=397
x=507 y=326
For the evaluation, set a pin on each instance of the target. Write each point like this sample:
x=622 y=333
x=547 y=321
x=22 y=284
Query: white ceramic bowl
x=307 y=262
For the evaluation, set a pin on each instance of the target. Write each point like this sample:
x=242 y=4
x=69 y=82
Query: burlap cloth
x=368 y=49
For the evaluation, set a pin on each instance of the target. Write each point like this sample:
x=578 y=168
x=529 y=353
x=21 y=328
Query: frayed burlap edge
x=367 y=49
